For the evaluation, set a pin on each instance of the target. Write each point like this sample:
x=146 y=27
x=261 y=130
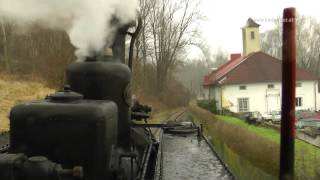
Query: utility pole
x=288 y=95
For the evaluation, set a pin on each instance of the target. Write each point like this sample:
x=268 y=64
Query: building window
x=298 y=101
x=252 y=35
x=243 y=87
x=298 y=84
x=270 y=86
x=243 y=104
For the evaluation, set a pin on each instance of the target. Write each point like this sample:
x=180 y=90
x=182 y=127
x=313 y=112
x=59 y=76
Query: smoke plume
x=86 y=21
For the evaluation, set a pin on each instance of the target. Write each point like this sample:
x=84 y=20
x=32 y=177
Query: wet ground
x=184 y=158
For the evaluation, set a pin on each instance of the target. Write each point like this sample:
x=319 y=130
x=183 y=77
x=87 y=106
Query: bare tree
x=206 y=50
x=5 y=27
x=142 y=46
x=167 y=28
x=272 y=41
x=171 y=30
x=308 y=43
x=38 y=51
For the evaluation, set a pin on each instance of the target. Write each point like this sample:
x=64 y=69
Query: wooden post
x=288 y=95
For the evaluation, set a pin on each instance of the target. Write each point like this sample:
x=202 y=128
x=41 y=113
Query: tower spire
x=250 y=37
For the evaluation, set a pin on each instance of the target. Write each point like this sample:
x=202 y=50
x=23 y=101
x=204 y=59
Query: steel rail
x=170 y=117
x=226 y=167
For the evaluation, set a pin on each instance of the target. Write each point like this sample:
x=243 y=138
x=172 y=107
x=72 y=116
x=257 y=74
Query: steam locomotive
x=84 y=131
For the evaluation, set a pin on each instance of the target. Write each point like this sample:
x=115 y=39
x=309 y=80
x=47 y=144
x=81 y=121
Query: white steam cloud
x=86 y=21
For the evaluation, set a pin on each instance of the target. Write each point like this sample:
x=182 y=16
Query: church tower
x=250 y=37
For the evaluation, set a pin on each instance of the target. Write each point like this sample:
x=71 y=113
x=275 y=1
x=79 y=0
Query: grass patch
x=13 y=91
x=307 y=156
x=262 y=131
x=258 y=145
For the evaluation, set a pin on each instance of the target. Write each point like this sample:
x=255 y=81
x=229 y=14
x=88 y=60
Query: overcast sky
x=226 y=17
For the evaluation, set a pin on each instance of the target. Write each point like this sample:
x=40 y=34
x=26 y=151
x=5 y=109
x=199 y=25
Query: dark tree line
x=168 y=27
x=36 y=52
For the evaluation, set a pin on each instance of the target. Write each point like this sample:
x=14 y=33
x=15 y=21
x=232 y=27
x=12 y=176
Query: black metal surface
x=65 y=95
x=76 y=133
x=105 y=79
x=119 y=45
x=139 y=111
x=159 y=164
x=17 y=166
x=4 y=141
x=149 y=125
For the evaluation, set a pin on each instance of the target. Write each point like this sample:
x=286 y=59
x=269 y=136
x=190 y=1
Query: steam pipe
x=288 y=95
x=119 y=46
x=133 y=38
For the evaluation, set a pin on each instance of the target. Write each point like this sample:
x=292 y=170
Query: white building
x=253 y=82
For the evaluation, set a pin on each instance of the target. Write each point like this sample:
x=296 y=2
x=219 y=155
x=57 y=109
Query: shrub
x=210 y=105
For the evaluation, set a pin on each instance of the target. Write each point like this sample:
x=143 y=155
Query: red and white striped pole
x=288 y=94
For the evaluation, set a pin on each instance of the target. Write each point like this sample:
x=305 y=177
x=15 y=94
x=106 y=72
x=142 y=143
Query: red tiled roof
x=256 y=67
x=222 y=70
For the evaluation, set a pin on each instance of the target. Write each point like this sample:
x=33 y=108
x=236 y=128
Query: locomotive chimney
x=119 y=44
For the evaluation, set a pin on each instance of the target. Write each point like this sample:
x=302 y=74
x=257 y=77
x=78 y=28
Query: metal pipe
x=288 y=95
x=119 y=47
x=147 y=158
x=134 y=36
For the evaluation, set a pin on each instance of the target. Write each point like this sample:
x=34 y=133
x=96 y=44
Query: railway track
x=172 y=117
x=185 y=154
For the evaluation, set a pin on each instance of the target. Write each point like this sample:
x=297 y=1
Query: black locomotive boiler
x=84 y=131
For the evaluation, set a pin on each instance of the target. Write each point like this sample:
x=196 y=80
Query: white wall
x=258 y=100
x=255 y=92
x=317 y=96
x=309 y=93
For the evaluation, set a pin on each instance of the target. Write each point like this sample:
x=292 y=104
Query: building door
x=273 y=103
x=273 y=100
